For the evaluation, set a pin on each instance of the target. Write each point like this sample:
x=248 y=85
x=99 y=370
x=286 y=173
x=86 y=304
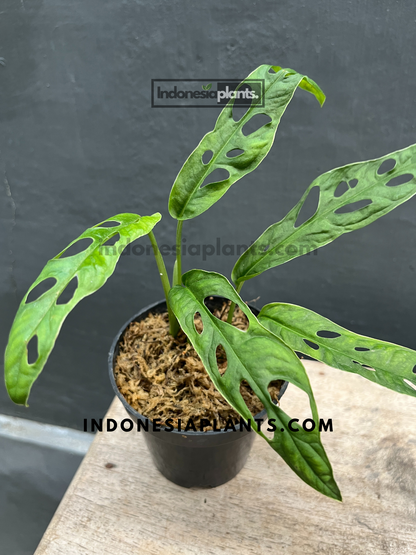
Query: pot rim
x=141 y=417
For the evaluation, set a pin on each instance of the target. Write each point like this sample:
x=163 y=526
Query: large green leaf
x=283 y=241
x=187 y=198
x=259 y=357
x=43 y=317
x=381 y=362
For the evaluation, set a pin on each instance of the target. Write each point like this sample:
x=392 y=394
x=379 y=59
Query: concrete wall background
x=79 y=143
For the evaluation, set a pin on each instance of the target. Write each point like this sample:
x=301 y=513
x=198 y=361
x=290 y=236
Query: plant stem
x=232 y=306
x=173 y=322
x=178 y=269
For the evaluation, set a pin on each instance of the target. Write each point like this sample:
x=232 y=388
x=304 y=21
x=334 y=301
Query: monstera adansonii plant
x=350 y=197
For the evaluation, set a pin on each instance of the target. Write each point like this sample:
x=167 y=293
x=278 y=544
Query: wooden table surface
x=132 y=509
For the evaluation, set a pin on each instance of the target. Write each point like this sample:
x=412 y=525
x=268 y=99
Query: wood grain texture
x=131 y=509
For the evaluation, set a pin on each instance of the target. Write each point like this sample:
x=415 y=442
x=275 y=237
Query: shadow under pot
x=189 y=459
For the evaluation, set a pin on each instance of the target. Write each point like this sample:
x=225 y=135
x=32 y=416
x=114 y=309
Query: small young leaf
x=370 y=195
x=44 y=316
x=381 y=362
x=259 y=357
x=187 y=198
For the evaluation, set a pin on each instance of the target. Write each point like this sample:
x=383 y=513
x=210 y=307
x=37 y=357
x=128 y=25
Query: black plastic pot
x=189 y=459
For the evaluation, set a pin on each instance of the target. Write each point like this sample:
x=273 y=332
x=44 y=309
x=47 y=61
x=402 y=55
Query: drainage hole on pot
x=198 y=324
x=222 y=361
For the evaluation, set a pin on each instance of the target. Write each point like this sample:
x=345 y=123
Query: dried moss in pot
x=163 y=377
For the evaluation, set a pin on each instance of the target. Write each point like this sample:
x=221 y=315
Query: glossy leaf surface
x=259 y=357
x=187 y=198
x=42 y=318
x=365 y=183
x=381 y=362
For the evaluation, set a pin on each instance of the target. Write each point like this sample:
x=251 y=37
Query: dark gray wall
x=79 y=142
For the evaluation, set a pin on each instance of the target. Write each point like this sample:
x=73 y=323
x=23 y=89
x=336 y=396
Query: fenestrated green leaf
x=43 y=317
x=283 y=241
x=187 y=198
x=381 y=362
x=259 y=357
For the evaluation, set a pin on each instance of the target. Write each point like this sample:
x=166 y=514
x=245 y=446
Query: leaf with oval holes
x=381 y=362
x=43 y=316
x=370 y=195
x=194 y=191
x=259 y=357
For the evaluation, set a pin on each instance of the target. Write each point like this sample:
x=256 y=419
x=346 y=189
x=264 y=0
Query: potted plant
x=262 y=351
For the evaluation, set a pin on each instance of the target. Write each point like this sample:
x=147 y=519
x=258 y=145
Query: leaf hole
x=216 y=176
x=222 y=361
x=353 y=183
x=309 y=207
x=32 y=350
x=399 y=180
x=77 y=247
x=214 y=309
x=274 y=388
x=328 y=334
x=414 y=369
x=341 y=189
x=251 y=400
x=239 y=111
x=69 y=292
x=409 y=383
x=271 y=70
x=207 y=157
x=364 y=366
x=235 y=152
x=361 y=349
x=112 y=240
x=198 y=324
x=311 y=344
x=386 y=166
x=40 y=289
x=108 y=223
x=353 y=206
x=220 y=311
x=258 y=121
